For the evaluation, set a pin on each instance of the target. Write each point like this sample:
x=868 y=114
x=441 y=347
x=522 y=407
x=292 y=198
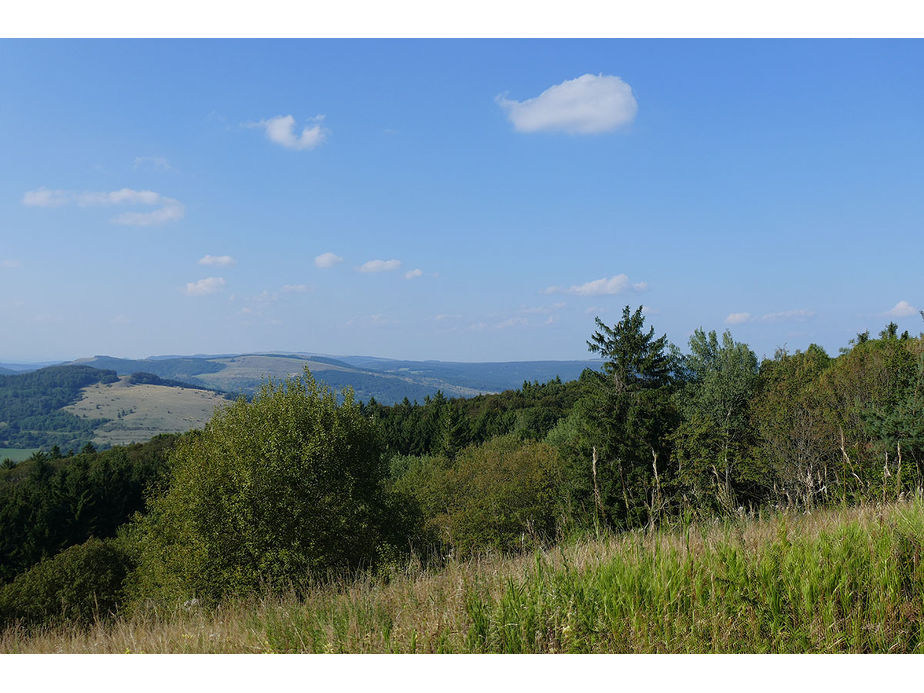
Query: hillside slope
x=134 y=413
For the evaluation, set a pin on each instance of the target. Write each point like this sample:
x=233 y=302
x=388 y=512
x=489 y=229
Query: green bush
x=498 y=495
x=270 y=493
x=78 y=585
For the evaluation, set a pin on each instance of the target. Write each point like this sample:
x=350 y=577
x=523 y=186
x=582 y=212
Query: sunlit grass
x=847 y=580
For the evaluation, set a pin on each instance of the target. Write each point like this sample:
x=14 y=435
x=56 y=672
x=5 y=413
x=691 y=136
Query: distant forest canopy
x=304 y=482
x=30 y=404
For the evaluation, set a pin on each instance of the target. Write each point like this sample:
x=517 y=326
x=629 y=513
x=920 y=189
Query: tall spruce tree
x=630 y=413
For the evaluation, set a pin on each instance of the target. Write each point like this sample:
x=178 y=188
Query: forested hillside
x=30 y=405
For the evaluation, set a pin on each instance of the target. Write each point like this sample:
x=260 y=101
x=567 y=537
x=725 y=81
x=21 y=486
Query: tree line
x=299 y=484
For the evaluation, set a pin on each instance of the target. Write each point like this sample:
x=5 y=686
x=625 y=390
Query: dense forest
x=30 y=404
x=302 y=484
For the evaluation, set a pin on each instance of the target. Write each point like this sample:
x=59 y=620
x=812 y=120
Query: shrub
x=79 y=584
x=269 y=493
x=495 y=495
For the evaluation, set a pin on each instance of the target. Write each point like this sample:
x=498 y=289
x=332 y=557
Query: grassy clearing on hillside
x=17 y=454
x=847 y=580
x=137 y=413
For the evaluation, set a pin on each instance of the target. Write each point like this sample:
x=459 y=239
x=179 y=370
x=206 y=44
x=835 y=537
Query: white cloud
x=788 y=315
x=10 y=264
x=220 y=260
x=157 y=163
x=447 y=316
x=206 y=286
x=587 y=105
x=902 y=309
x=325 y=260
x=169 y=209
x=43 y=197
x=607 y=286
x=296 y=288
x=737 y=318
x=281 y=130
x=380 y=266
x=413 y=274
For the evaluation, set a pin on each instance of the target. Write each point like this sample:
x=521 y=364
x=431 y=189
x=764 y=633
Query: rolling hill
x=388 y=380
x=70 y=406
x=114 y=401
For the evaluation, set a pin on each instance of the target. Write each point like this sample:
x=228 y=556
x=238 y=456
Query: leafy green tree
x=631 y=414
x=268 y=494
x=715 y=438
x=503 y=494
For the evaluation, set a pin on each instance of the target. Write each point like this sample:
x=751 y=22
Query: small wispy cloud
x=281 y=130
x=607 y=286
x=902 y=309
x=799 y=315
x=219 y=260
x=376 y=320
x=10 y=264
x=380 y=266
x=512 y=322
x=203 y=287
x=325 y=260
x=155 y=163
x=168 y=208
x=296 y=288
x=446 y=316
x=788 y=315
x=587 y=105
x=737 y=318
x=413 y=274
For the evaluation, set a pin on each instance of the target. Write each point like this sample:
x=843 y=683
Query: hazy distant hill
x=387 y=380
x=69 y=406
x=112 y=401
x=494 y=377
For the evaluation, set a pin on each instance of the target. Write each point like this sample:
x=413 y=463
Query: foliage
x=714 y=441
x=630 y=414
x=48 y=504
x=274 y=491
x=79 y=585
x=500 y=495
x=30 y=404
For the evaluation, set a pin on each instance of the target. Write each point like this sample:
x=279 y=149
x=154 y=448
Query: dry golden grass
x=140 y=412
x=707 y=588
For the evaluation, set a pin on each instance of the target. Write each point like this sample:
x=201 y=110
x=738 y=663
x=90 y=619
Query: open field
x=139 y=412
x=844 y=580
x=16 y=454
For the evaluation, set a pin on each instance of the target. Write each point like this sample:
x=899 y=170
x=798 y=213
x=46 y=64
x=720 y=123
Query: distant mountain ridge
x=387 y=380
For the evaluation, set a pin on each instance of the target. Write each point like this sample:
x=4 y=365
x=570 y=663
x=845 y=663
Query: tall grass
x=848 y=580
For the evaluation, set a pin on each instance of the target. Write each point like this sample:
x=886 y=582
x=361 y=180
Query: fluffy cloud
x=902 y=309
x=587 y=105
x=413 y=274
x=168 y=209
x=737 y=318
x=607 y=286
x=296 y=288
x=325 y=260
x=10 y=264
x=206 y=286
x=281 y=130
x=380 y=266
x=220 y=260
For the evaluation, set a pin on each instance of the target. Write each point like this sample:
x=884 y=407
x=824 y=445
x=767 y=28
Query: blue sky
x=174 y=196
